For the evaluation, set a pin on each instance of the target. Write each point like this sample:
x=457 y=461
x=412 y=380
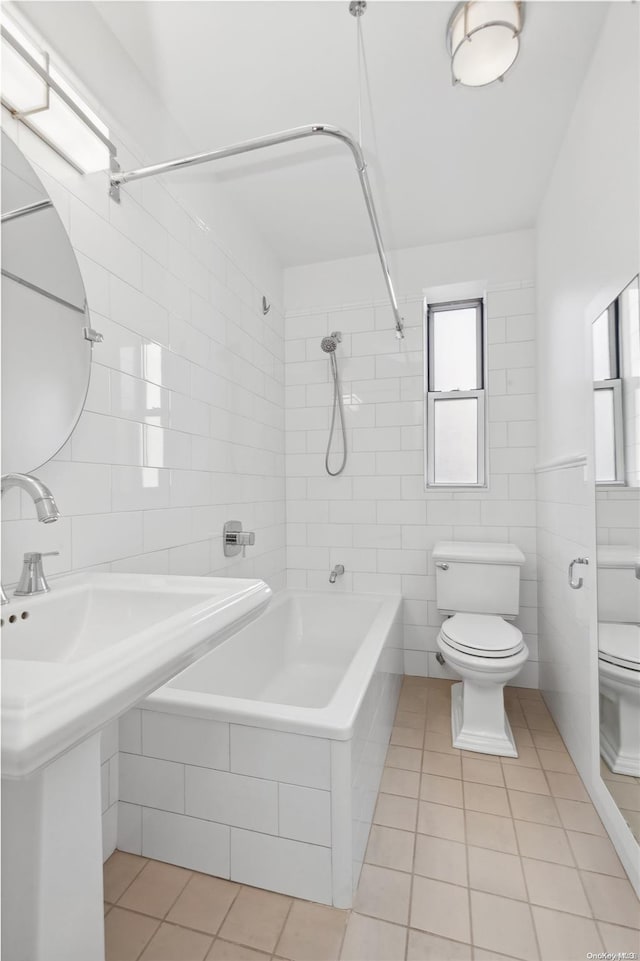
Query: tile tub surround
x=279 y=796
x=376 y=518
x=469 y=858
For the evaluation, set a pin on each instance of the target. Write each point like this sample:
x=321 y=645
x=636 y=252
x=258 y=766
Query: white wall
x=587 y=252
x=184 y=422
x=376 y=518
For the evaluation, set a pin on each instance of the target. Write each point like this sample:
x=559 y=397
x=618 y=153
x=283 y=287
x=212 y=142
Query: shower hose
x=337 y=406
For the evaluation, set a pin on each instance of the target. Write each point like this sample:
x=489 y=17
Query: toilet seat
x=482 y=635
x=619 y=644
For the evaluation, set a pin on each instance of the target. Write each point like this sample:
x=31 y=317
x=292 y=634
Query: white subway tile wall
x=377 y=518
x=184 y=424
x=618 y=516
x=183 y=427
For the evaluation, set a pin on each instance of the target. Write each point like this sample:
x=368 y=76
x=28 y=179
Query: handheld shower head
x=330 y=343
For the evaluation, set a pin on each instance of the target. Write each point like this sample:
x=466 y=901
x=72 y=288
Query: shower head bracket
x=114 y=185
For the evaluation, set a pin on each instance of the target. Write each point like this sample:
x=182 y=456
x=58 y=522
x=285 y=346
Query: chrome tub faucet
x=335 y=573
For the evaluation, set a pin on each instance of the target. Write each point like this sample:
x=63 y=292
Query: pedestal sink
x=72 y=661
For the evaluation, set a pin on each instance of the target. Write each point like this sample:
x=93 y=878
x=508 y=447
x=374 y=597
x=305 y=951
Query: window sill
x=454 y=488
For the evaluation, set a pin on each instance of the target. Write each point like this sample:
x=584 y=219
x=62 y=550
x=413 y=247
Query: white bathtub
x=262 y=761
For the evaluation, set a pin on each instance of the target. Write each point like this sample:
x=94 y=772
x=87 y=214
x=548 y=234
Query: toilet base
x=496 y=738
x=617 y=762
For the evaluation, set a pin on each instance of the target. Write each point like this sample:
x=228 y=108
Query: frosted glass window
x=605 y=435
x=455 y=347
x=456 y=441
x=455 y=405
x=601 y=331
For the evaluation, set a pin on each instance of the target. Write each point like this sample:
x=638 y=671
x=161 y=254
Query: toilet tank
x=478 y=578
x=618 y=586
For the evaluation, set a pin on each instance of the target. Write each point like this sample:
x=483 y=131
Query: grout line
x=349 y=913
x=228 y=911
x=284 y=924
x=467 y=862
x=137 y=875
x=524 y=879
x=153 y=934
x=180 y=893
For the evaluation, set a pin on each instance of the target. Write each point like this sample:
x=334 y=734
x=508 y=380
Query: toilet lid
x=484 y=635
x=620 y=644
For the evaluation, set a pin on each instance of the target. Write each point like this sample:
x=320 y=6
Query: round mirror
x=46 y=356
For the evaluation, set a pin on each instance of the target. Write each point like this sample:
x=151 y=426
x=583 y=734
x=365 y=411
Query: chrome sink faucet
x=335 y=573
x=43 y=499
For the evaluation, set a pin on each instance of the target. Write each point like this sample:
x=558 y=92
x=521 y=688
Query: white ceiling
x=446 y=162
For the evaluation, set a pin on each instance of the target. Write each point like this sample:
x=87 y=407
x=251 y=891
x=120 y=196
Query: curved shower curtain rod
x=284 y=136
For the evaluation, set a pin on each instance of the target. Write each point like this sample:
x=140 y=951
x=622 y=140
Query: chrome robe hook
x=576 y=583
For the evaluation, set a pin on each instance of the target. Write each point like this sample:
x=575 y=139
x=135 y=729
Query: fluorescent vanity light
x=22 y=88
x=37 y=95
x=483 y=37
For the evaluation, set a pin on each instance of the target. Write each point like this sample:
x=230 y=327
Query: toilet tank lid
x=618 y=556
x=478 y=553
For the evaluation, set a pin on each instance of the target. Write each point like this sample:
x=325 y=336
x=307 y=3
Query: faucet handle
x=33 y=580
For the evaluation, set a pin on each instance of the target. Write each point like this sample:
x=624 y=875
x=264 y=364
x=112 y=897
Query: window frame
x=431 y=397
x=614 y=383
x=615 y=386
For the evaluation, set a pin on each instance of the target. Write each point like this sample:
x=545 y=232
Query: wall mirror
x=46 y=356
x=616 y=397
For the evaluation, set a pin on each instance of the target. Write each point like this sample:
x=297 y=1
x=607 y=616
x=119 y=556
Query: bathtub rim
x=336 y=720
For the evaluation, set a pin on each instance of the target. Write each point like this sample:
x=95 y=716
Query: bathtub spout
x=337 y=570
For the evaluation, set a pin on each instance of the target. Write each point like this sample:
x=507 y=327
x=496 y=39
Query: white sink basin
x=78 y=657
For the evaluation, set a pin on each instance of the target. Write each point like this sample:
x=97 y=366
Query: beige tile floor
x=470 y=857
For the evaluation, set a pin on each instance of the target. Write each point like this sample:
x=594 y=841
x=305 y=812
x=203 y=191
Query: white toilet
x=619 y=657
x=479 y=584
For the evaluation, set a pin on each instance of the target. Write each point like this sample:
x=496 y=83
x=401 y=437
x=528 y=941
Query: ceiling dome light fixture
x=483 y=37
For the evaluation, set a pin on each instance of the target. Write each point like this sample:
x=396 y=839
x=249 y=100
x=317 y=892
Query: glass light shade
x=484 y=40
x=24 y=91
